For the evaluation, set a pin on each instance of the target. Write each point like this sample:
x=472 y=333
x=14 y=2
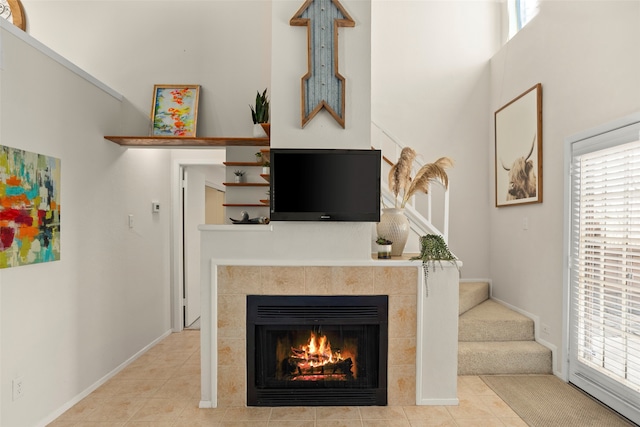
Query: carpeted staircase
x=493 y=339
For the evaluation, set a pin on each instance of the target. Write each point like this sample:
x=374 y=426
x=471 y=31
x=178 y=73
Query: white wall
x=586 y=54
x=67 y=324
x=223 y=45
x=430 y=89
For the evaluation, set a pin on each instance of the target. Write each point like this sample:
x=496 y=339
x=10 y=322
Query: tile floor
x=162 y=388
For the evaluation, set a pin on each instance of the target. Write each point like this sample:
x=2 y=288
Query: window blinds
x=605 y=268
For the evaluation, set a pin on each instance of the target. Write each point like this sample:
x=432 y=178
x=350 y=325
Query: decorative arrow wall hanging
x=322 y=86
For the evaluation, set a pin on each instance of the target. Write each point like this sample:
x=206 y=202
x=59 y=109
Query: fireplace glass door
x=313 y=351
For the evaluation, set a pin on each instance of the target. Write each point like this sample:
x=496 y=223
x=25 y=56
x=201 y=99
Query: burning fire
x=317 y=352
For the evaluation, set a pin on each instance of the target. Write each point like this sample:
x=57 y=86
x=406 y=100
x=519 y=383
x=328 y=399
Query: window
x=520 y=13
x=605 y=267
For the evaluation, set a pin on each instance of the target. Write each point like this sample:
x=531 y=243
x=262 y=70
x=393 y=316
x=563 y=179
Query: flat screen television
x=325 y=185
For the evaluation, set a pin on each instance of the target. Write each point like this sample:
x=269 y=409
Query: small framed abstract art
x=518 y=162
x=175 y=110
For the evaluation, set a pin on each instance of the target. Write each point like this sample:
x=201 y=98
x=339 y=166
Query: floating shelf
x=170 y=141
x=242 y=164
x=246 y=184
x=254 y=205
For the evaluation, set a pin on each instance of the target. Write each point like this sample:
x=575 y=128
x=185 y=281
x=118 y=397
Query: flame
x=317 y=352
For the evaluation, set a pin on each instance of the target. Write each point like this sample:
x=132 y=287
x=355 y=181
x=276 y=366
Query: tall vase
x=394 y=226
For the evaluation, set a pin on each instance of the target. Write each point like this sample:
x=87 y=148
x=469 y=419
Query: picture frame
x=174 y=112
x=12 y=11
x=518 y=150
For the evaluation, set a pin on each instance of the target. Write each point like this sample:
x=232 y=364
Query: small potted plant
x=260 y=115
x=258 y=157
x=266 y=168
x=239 y=175
x=384 y=248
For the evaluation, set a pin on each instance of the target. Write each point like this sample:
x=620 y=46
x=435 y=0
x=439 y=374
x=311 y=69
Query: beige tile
x=243 y=424
x=470 y=408
x=339 y=423
x=513 y=422
x=401 y=385
x=151 y=371
x=337 y=413
x=479 y=422
x=143 y=388
x=87 y=424
x=239 y=280
x=402 y=316
x=395 y=280
x=247 y=414
x=317 y=280
x=150 y=424
x=116 y=409
x=428 y=413
x=474 y=386
x=192 y=415
x=433 y=423
x=188 y=370
x=160 y=410
x=351 y=281
x=402 y=351
x=298 y=423
x=232 y=351
x=179 y=388
x=293 y=413
x=232 y=390
x=232 y=312
x=398 y=422
x=498 y=407
x=282 y=280
x=382 y=412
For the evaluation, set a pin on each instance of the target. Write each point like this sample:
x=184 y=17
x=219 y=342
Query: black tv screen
x=325 y=185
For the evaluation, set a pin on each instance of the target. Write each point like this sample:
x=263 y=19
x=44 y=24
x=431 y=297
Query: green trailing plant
x=403 y=186
x=260 y=112
x=433 y=249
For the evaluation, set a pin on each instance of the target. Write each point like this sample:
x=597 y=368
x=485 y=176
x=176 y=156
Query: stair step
x=511 y=357
x=492 y=321
x=472 y=294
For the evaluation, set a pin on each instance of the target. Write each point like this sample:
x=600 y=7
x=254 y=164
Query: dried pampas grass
x=400 y=181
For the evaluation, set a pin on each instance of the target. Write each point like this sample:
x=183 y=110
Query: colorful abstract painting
x=29 y=208
x=175 y=110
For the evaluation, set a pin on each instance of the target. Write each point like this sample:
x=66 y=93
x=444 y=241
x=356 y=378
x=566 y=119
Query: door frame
x=177 y=236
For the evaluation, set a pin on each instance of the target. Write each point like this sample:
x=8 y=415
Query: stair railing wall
x=421 y=222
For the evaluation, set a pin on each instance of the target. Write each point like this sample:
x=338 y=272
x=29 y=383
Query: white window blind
x=605 y=277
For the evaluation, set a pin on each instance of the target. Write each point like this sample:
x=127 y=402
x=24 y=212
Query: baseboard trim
x=64 y=408
x=439 y=402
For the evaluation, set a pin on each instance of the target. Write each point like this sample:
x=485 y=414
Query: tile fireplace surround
x=422 y=364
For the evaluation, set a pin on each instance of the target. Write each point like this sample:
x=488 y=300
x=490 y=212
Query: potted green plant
x=266 y=168
x=433 y=249
x=260 y=114
x=384 y=248
x=239 y=175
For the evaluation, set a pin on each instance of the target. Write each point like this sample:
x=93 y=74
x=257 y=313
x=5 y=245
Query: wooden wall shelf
x=169 y=141
x=246 y=184
x=253 y=205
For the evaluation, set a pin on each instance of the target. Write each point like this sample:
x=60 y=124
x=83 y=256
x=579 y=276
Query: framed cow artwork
x=518 y=162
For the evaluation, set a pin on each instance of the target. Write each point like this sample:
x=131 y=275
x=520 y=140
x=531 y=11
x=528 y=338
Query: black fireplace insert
x=317 y=350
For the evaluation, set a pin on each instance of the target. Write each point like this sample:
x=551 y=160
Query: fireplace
x=317 y=350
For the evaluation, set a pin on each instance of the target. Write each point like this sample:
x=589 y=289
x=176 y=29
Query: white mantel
x=436 y=314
